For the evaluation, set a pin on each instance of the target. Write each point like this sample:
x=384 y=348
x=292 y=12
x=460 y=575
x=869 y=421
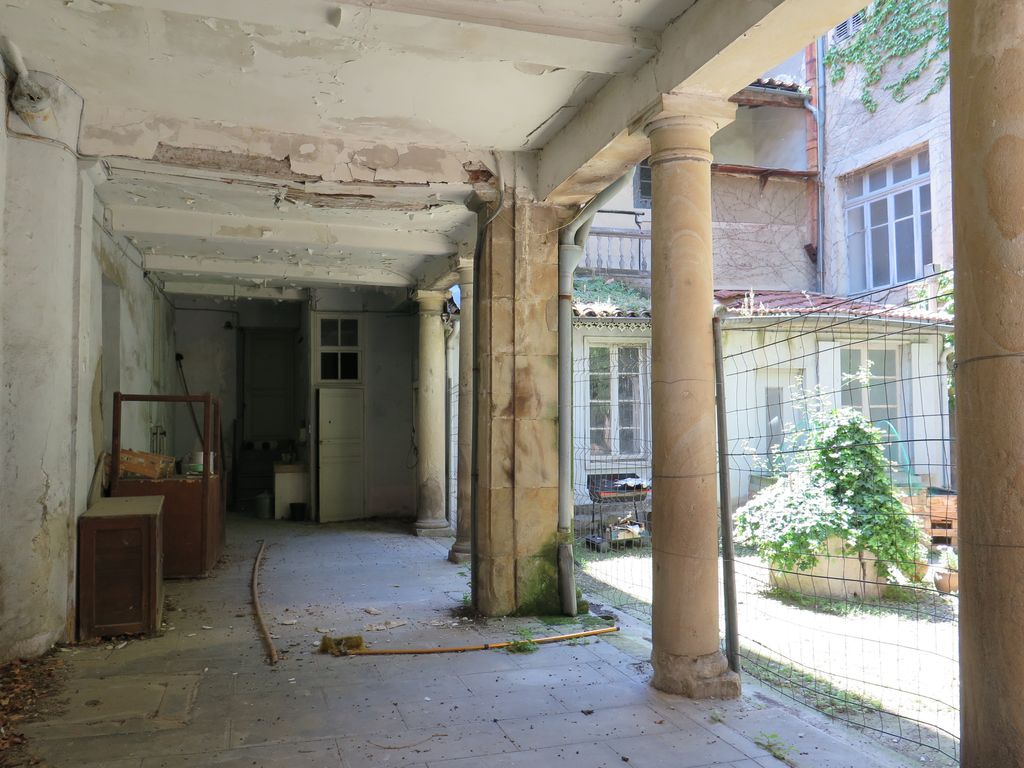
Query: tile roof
x=781 y=303
x=775 y=303
x=778 y=83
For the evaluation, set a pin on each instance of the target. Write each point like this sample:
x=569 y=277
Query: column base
x=437 y=529
x=460 y=553
x=696 y=677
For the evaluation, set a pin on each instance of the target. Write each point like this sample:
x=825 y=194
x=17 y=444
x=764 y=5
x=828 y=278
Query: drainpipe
x=819 y=117
x=570 y=250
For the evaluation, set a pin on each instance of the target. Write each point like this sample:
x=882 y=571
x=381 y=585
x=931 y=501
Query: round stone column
x=686 y=655
x=462 y=549
x=987 y=116
x=430 y=419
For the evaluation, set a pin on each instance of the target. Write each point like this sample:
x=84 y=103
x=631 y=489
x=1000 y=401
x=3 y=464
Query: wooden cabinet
x=120 y=572
x=194 y=512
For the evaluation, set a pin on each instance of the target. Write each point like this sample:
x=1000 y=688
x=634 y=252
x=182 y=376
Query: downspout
x=819 y=117
x=571 y=242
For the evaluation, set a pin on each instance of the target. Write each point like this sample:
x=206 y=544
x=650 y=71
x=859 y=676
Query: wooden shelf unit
x=194 y=510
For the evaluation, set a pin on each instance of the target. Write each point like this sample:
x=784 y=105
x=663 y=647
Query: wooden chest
x=120 y=567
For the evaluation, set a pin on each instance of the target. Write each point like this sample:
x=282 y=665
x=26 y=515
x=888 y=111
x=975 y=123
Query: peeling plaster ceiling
x=338 y=140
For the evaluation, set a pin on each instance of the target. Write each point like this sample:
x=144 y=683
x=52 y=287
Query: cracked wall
x=52 y=265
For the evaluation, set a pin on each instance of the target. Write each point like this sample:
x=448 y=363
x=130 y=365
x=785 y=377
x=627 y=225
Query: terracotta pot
x=947 y=582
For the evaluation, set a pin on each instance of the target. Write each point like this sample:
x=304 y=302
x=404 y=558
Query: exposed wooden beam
x=280 y=274
x=233 y=291
x=753 y=96
x=142 y=220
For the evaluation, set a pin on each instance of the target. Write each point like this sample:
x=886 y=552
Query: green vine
x=895 y=30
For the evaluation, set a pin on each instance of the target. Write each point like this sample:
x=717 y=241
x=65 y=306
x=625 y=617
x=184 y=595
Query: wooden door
x=341 y=458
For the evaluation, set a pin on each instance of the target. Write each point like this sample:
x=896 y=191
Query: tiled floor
x=202 y=695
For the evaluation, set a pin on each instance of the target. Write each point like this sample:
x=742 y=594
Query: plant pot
x=947 y=582
x=839 y=575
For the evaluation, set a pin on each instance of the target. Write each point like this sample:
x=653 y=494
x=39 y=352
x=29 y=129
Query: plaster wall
x=145 y=358
x=211 y=358
x=759 y=230
x=36 y=287
x=856 y=139
x=55 y=258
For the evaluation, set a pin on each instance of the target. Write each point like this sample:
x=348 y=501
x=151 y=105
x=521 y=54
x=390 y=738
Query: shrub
x=838 y=485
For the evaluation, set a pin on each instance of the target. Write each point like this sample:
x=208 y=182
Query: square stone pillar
x=686 y=655
x=515 y=563
x=987 y=116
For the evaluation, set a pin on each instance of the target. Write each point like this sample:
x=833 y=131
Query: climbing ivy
x=895 y=30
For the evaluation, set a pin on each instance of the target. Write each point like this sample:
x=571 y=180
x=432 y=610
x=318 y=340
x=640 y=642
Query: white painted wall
x=53 y=256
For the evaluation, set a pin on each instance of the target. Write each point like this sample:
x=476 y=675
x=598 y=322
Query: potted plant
x=947 y=575
x=833 y=525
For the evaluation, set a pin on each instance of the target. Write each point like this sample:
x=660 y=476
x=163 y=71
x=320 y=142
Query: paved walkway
x=202 y=695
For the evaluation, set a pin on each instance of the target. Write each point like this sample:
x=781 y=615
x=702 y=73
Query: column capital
x=429 y=301
x=463 y=265
x=680 y=126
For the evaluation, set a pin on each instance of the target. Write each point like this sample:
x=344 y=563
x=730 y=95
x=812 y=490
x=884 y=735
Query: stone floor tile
x=579 y=727
x=424 y=745
x=482 y=683
x=302 y=754
x=571 y=756
x=493 y=707
x=682 y=749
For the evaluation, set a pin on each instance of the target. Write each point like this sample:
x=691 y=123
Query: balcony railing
x=617 y=251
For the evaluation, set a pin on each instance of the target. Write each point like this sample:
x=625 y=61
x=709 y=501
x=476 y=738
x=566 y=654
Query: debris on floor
x=384 y=625
x=337 y=646
x=24 y=686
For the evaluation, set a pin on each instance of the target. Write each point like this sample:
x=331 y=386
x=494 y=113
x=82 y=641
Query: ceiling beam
x=263 y=274
x=715 y=49
x=141 y=220
x=449 y=27
x=233 y=291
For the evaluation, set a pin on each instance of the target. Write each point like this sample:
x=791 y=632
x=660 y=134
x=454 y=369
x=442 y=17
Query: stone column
x=987 y=115
x=430 y=413
x=686 y=655
x=461 y=550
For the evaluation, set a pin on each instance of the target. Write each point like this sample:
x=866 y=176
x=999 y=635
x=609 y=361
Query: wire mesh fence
x=840 y=437
x=840 y=445
x=612 y=471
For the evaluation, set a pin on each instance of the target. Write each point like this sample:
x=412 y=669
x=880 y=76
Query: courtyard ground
x=201 y=694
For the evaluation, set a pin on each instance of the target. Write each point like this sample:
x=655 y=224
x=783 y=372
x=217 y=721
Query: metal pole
x=732 y=638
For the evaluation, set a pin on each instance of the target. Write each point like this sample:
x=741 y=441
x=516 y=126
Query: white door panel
x=341 y=454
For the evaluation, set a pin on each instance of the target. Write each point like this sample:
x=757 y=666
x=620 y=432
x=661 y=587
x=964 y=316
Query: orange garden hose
x=463 y=649
x=267 y=640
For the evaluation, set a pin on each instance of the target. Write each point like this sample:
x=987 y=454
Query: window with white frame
x=889 y=223
x=617 y=375
x=870 y=383
x=339 y=349
x=642 y=185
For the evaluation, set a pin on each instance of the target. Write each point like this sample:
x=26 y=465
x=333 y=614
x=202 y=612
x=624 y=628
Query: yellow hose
x=463 y=649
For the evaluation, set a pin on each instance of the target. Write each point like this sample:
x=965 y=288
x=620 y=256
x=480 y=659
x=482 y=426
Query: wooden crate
x=120 y=567
x=140 y=464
